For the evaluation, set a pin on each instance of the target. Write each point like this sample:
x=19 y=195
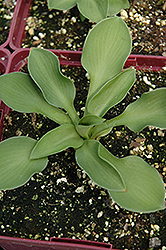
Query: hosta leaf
x=105 y=51
x=16 y=168
x=100 y=130
x=95 y=10
x=144 y=187
x=57 y=89
x=86 y=124
x=116 y=5
x=91 y=120
x=84 y=131
x=20 y=93
x=56 y=141
x=61 y=4
x=111 y=93
x=148 y=110
x=101 y=172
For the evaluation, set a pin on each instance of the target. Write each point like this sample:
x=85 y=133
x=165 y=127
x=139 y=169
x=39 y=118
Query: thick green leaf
x=57 y=89
x=144 y=187
x=105 y=51
x=111 y=93
x=19 y=92
x=84 y=131
x=95 y=10
x=61 y=4
x=101 y=172
x=86 y=124
x=91 y=120
x=56 y=141
x=100 y=130
x=148 y=110
x=16 y=168
x=116 y=5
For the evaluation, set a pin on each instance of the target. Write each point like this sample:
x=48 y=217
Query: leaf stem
x=73 y=114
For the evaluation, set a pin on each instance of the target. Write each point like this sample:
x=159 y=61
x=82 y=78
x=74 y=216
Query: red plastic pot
x=19 y=58
x=9 y=243
x=73 y=58
x=17 y=28
x=4 y=61
x=1 y=122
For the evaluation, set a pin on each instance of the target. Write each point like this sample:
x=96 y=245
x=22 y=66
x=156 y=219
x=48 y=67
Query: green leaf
x=91 y=120
x=101 y=172
x=61 y=4
x=144 y=187
x=111 y=93
x=84 y=131
x=86 y=124
x=82 y=17
x=16 y=168
x=100 y=130
x=148 y=110
x=56 y=141
x=19 y=92
x=57 y=89
x=105 y=51
x=116 y=5
x=95 y=10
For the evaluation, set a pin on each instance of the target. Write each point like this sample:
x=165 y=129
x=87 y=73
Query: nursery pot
x=1 y=122
x=8 y=243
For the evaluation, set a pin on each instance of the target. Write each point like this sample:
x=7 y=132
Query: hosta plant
x=131 y=182
x=95 y=10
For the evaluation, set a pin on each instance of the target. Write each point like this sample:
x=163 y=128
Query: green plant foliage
x=89 y=160
x=111 y=93
x=95 y=10
x=57 y=89
x=56 y=141
x=101 y=67
x=16 y=167
x=115 y=6
x=138 y=177
x=149 y=110
x=20 y=93
x=131 y=182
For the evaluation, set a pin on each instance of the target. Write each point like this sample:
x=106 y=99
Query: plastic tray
x=17 y=28
x=73 y=58
x=5 y=56
x=1 y=123
x=9 y=243
x=4 y=59
x=11 y=10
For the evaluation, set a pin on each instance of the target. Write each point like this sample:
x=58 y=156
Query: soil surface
x=6 y=14
x=62 y=201
x=64 y=29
